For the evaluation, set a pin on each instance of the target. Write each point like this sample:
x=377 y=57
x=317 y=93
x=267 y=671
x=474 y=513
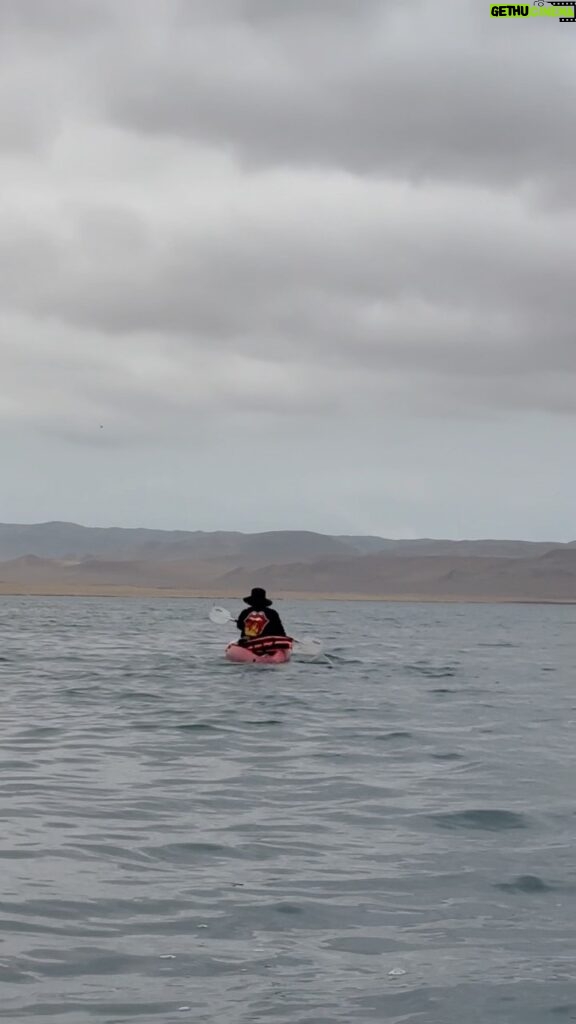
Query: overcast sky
x=288 y=264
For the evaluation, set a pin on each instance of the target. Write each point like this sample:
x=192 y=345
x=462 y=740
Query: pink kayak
x=243 y=655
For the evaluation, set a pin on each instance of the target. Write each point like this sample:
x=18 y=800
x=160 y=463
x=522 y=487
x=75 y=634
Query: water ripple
x=184 y=840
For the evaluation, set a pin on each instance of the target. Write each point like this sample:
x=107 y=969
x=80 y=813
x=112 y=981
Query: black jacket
x=271 y=627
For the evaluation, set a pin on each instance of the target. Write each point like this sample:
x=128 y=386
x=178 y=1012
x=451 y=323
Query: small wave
x=500 y=643
x=197 y=727
x=482 y=819
x=386 y=736
x=364 y=945
x=432 y=671
x=525 y=883
x=189 y=853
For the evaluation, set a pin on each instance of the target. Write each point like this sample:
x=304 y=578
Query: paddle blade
x=310 y=647
x=220 y=616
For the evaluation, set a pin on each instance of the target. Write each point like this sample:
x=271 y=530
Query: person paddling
x=259 y=624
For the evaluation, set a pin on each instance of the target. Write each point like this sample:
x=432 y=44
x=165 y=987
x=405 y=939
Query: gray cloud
x=324 y=222
x=51 y=17
x=420 y=289
x=411 y=90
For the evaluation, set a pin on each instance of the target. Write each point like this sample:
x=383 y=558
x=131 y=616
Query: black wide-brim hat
x=258 y=598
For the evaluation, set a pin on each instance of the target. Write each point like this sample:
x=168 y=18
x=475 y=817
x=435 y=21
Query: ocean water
x=392 y=838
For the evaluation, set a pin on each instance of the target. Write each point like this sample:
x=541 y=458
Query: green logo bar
x=539 y=9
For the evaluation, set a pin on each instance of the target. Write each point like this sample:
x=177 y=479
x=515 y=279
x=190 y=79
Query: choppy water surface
x=392 y=839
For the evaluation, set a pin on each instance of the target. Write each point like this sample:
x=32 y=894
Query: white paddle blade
x=219 y=616
x=310 y=647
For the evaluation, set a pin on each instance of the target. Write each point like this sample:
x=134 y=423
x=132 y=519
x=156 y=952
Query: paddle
x=309 y=646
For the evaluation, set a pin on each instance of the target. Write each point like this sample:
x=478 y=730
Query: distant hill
x=452 y=548
x=71 y=541
x=551 y=576
x=67 y=558
x=68 y=540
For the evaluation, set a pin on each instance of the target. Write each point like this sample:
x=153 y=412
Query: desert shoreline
x=208 y=594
